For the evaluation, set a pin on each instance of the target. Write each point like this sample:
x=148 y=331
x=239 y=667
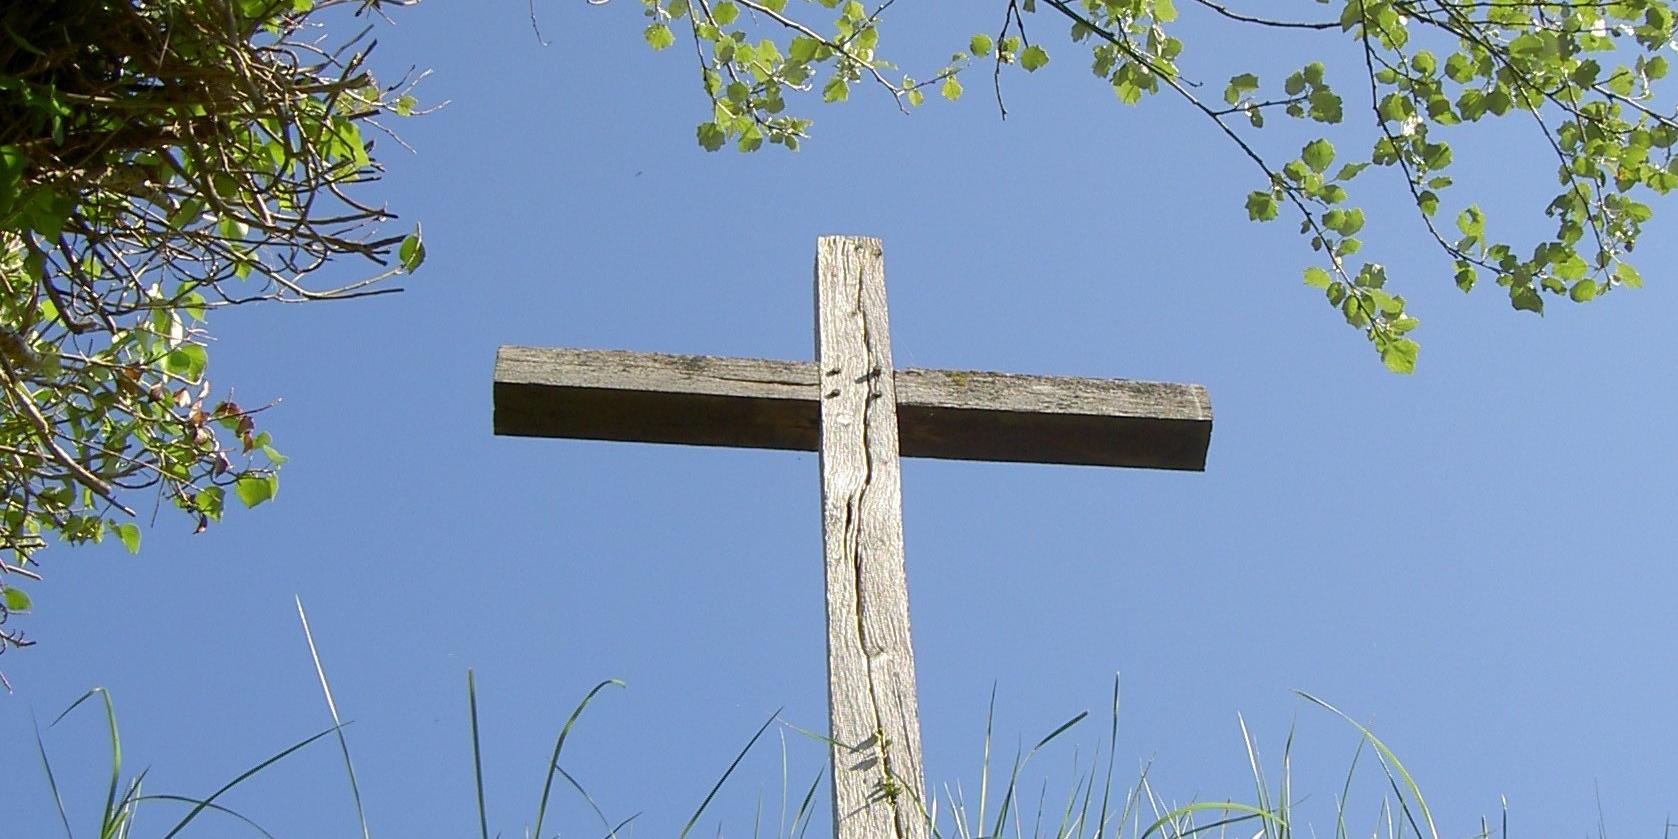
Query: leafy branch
x=1586 y=74
x=160 y=159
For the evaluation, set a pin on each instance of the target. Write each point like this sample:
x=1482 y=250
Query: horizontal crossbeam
x=754 y=403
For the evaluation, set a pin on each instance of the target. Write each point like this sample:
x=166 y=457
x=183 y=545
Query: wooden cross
x=860 y=414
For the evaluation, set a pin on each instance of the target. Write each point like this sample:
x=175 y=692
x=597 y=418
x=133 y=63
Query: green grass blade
x=477 y=754
x=725 y=775
x=108 y=819
x=52 y=781
x=1007 y=800
x=332 y=706
x=1067 y=821
x=598 y=813
x=1059 y=731
x=1258 y=772
x=1019 y=764
x=612 y=832
x=243 y=776
x=1089 y=795
x=1112 y=755
x=781 y=830
x=1248 y=812
x=1284 y=794
x=804 y=812
x=1346 y=793
x=127 y=804
x=1132 y=812
x=207 y=805
x=559 y=745
x=984 y=769
x=1389 y=760
x=827 y=743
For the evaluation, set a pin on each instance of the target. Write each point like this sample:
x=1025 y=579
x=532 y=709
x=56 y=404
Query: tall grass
x=123 y=799
x=1095 y=806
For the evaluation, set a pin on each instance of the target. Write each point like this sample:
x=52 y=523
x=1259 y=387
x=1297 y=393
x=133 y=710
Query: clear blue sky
x=1477 y=560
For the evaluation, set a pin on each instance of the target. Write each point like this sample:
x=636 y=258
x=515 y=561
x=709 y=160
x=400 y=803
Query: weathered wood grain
x=755 y=403
x=859 y=414
x=874 y=724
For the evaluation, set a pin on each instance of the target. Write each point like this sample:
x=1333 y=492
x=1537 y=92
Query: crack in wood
x=870 y=651
x=876 y=773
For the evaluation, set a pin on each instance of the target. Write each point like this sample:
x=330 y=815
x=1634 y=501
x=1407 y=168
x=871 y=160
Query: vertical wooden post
x=872 y=709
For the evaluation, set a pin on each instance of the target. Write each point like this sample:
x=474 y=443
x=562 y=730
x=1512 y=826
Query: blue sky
x=1476 y=561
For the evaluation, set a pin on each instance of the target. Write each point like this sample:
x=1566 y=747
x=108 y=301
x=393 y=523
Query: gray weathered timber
x=860 y=415
x=871 y=698
x=756 y=403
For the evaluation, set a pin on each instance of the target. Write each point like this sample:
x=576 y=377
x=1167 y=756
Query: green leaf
x=711 y=136
x=255 y=489
x=1459 y=68
x=1350 y=171
x=981 y=44
x=1317 y=278
x=951 y=89
x=1261 y=206
x=129 y=533
x=412 y=251
x=1465 y=276
x=659 y=36
x=1345 y=222
x=751 y=139
x=1583 y=291
x=1033 y=58
x=1400 y=356
x=1318 y=154
x=1571 y=267
x=11 y=169
x=802 y=48
x=1240 y=86
x=1628 y=275
x=1526 y=299
x=45 y=210
x=1371 y=275
x=837 y=90
x=1326 y=106
x=186 y=361
x=1436 y=155
x=16 y=600
x=1471 y=221
x=1352 y=309
x=725 y=13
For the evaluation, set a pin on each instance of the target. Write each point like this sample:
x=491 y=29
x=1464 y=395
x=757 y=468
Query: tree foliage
x=159 y=160
x=1583 y=74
